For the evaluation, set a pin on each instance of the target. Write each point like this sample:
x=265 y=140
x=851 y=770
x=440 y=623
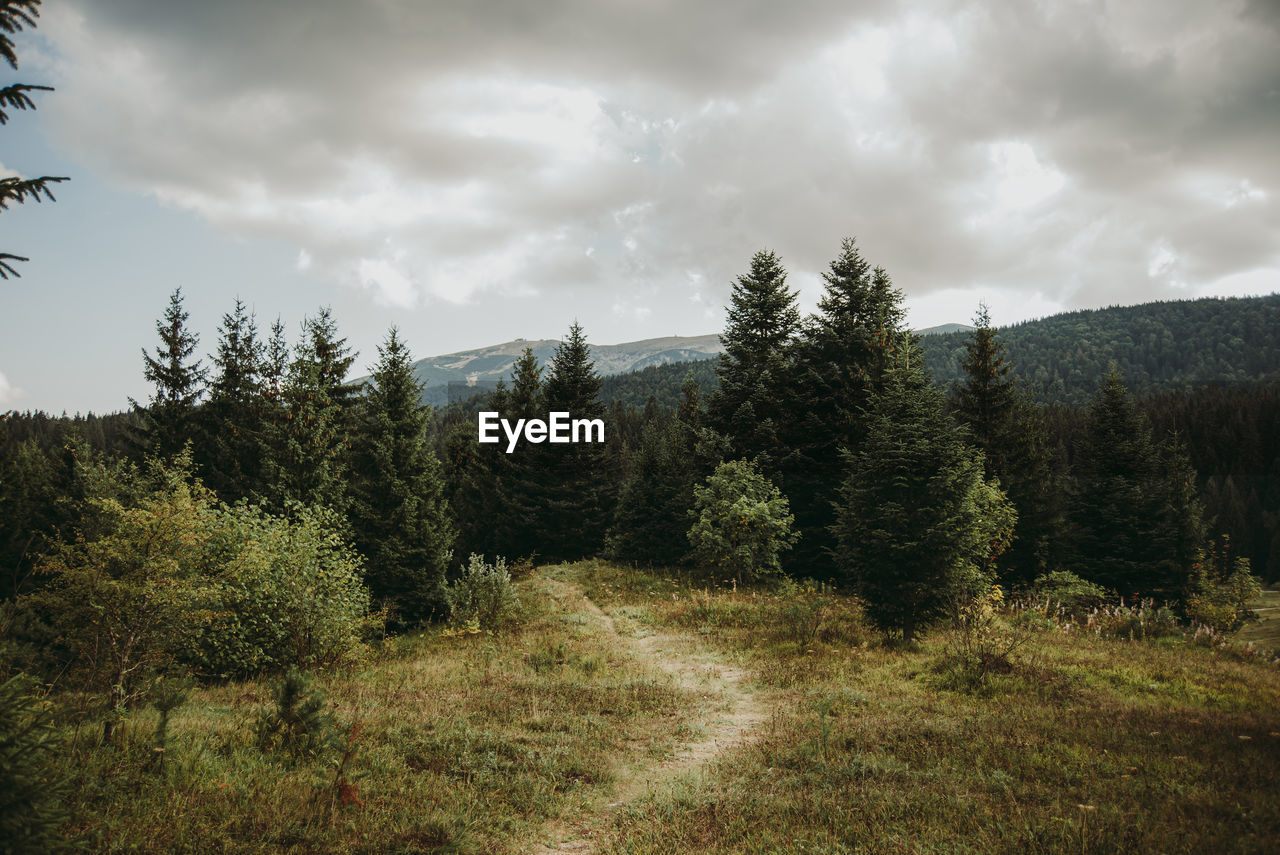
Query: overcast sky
x=480 y=171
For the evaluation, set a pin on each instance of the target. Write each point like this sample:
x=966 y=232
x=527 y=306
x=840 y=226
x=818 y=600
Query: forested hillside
x=1157 y=346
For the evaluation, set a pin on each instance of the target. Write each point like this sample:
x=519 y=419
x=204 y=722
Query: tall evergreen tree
x=839 y=361
x=233 y=418
x=914 y=517
x=1009 y=430
x=762 y=322
x=309 y=463
x=1134 y=522
x=400 y=517
x=575 y=502
x=167 y=421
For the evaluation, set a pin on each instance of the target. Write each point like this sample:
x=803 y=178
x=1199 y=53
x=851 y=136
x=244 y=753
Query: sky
x=475 y=172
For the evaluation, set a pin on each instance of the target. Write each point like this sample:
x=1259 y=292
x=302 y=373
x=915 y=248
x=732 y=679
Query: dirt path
x=729 y=724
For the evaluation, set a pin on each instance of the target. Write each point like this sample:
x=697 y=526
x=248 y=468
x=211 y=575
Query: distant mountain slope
x=1158 y=346
x=485 y=365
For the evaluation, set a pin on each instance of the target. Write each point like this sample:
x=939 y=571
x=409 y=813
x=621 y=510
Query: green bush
x=482 y=594
x=1076 y=597
x=280 y=592
x=799 y=610
x=179 y=578
x=1222 y=591
x=741 y=523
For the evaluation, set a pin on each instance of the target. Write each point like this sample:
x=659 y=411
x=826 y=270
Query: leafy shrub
x=32 y=799
x=482 y=594
x=1222 y=591
x=741 y=523
x=980 y=644
x=1076 y=597
x=281 y=591
x=178 y=578
x=298 y=725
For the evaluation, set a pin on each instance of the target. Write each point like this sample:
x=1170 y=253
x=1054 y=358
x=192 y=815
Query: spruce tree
x=914 y=517
x=575 y=501
x=1135 y=523
x=167 y=421
x=1009 y=430
x=309 y=462
x=762 y=322
x=838 y=362
x=233 y=418
x=400 y=517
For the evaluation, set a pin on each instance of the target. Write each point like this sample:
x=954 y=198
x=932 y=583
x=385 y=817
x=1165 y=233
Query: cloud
x=1079 y=153
x=9 y=394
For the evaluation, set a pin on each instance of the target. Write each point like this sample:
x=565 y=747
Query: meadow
x=631 y=711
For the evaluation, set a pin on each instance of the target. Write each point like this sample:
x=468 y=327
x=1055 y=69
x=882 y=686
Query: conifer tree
x=233 y=418
x=838 y=362
x=915 y=517
x=310 y=460
x=762 y=321
x=168 y=419
x=575 y=501
x=399 y=513
x=16 y=16
x=1009 y=430
x=1135 y=524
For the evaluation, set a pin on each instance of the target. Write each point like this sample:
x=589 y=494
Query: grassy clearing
x=480 y=744
x=1086 y=745
x=467 y=744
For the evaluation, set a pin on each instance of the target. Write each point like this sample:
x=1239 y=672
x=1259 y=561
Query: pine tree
x=838 y=362
x=310 y=460
x=1135 y=524
x=15 y=16
x=575 y=501
x=1009 y=430
x=914 y=517
x=400 y=517
x=168 y=419
x=233 y=419
x=763 y=320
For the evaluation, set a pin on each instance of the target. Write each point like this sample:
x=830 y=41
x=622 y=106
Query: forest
x=262 y=517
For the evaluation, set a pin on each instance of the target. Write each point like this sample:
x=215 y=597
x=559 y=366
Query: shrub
x=178 y=578
x=980 y=643
x=1076 y=597
x=32 y=798
x=482 y=594
x=1222 y=591
x=741 y=523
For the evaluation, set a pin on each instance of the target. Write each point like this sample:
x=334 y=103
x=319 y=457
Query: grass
x=1086 y=745
x=467 y=744
x=479 y=744
x=1265 y=632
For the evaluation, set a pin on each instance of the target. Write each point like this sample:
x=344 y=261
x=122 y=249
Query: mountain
x=454 y=374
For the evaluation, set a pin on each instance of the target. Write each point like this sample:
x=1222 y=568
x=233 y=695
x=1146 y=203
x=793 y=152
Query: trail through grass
x=735 y=713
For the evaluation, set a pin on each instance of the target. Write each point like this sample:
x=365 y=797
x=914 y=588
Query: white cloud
x=9 y=394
